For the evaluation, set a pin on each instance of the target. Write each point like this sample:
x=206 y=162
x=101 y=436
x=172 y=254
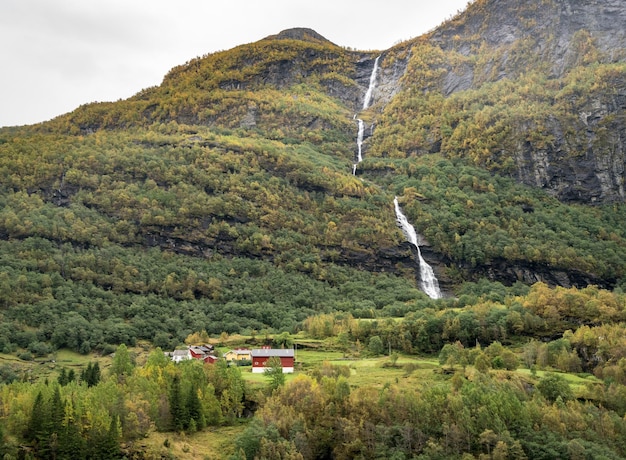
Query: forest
x=223 y=206
x=503 y=372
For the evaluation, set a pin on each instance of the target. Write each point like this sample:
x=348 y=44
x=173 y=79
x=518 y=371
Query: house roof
x=271 y=352
x=240 y=351
x=180 y=353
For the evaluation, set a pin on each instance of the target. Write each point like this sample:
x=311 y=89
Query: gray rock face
x=589 y=167
x=552 y=37
x=552 y=28
x=390 y=74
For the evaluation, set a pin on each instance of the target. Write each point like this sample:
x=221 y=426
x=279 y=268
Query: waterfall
x=366 y=102
x=428 y=283
x=359 y=144
x=359 y=141
x=370 y=89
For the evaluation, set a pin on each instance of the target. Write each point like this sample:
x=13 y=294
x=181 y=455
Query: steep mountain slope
x=534 y=90
x=224 y=199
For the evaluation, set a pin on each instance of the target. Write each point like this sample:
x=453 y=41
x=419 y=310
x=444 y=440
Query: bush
x=554 y=386
x=26 y=356
x=7 y=374
x=39 y=348
x=375 y=345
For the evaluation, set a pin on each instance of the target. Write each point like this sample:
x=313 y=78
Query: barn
x=260 y=357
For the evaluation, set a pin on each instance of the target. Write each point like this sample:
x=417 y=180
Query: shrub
x=553 y=386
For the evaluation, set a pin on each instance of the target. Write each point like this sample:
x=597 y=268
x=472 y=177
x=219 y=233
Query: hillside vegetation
x=224 y=202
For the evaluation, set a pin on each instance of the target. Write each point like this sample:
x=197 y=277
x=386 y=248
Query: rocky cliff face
x=584 y=160
x=556 y=35
x=588 y=167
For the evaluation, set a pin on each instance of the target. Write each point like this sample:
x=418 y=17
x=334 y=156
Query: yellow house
x=238 y=354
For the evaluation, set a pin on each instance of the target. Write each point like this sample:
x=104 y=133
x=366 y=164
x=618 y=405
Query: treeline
x=61 y=296
x=571 y=330
x=104 y=420
x=478 y=416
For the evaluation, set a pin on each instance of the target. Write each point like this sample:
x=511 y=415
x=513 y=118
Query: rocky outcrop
x=301 y=34
x=587 y=167
x=392 y=68
x=509 y=272
x=553 y=34
x=584 y=160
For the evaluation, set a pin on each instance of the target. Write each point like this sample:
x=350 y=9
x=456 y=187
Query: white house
x=181 y=355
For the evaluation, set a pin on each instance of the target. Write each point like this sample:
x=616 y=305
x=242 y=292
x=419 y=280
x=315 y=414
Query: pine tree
x=91 y=375
x=71 y=445
x=194 y=409
x=180 y=418
x=38 y=420
x=62 y=377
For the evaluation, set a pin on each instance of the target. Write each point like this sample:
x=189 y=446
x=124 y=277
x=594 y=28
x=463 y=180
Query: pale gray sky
x=59 y=54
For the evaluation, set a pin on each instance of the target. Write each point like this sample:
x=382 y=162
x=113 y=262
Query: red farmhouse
x=260 y=357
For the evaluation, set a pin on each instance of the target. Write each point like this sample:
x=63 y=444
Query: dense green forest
x=224 y=203
x=499 y=391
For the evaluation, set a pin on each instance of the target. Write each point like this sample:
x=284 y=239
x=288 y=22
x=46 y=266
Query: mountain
x=536 y=91
x=224 y=199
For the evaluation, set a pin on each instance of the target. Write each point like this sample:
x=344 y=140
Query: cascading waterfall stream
x=428 y=283
x=367 y=100
x=370 y=90
x=359 y=141
x=359 y=144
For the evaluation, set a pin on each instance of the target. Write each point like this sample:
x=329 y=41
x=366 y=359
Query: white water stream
x=428 y=282
x=370 y=89
x=367 y=100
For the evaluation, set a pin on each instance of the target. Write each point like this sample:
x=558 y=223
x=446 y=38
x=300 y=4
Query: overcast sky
x=59 y=54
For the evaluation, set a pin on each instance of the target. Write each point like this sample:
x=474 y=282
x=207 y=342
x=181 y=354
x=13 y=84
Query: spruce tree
x=38 y=420
x=62 y=380
x=194 y=409
x=111 y=447
x=84 y=375
x=95 y=375
x=180 y=418
x=71 y=445
x=91 y=375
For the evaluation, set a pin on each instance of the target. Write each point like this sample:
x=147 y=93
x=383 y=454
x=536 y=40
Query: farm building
x=202 y=353
x=238 y=354
x=199 y=352
x=180 y=355
x=260 y=357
